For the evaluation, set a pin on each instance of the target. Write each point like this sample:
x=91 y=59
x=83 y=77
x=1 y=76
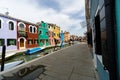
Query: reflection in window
x=30 y=41
x=46 y=33
x=21 y=27
x=40 y=32
x=36 y=41
x=11 y=42
x=31 y=29
x=11 y=25
x=48 y=26
x=2 y=42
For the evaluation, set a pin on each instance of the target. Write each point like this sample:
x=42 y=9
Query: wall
x=102 y=24
x=5 y=33
x=44 y=34
x=117 y=12
x=32 y=36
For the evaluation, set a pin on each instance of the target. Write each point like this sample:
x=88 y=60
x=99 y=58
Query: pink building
x=51 y=34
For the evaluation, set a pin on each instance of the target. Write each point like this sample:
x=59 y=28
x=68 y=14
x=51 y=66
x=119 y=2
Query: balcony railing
x=22 y=33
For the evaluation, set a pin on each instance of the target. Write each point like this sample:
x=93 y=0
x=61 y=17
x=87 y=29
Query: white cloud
x=30 y=11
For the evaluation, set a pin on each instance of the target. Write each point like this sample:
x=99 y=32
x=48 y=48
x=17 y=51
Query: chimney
x=7 y=13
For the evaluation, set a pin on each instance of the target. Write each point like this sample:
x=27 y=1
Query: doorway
x=22 y=43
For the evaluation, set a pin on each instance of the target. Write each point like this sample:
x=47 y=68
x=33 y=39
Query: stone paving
x=72 y=63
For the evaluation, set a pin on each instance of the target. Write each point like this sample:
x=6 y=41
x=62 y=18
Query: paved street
x=72 y=63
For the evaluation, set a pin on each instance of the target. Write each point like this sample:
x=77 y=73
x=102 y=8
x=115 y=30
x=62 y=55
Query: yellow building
x=56 y=31
x=66 y=36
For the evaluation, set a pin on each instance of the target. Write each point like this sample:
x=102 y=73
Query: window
x=47 y=41
x=30 y=29
x=48 y=26
x=2 y=42
x=53 y=34
x=21 y=26
x=40 y=32
x=41 y=41
x=11 y=42
x=36 y=41
x=30 y=41
x=98 y=36
x=34 y=30
x=11 y=25
x=46 y=33
x=0 y=23
x=58 y=35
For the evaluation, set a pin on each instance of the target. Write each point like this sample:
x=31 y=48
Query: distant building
x=43 y=34
x=66 y=36
x=17 y=34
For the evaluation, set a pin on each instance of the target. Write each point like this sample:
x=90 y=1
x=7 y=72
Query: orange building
x=66 y=36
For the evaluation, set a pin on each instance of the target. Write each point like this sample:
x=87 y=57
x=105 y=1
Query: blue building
x=103 y=24
x=62 y=38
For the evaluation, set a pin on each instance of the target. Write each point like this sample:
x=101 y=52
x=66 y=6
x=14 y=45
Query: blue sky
x=67 y=13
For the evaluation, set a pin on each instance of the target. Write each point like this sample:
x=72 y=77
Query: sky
x=67 y=14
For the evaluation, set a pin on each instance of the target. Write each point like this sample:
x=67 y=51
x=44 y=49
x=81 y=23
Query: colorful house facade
x=43 y=34
x=56 y=31
x=62 y=38
x=51 y=34
x=27 y=35
x=8 y=32
x=67 y=36
x=18 y=34
x=103 y=33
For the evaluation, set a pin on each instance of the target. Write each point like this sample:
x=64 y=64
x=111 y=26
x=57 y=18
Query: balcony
x=22 y=33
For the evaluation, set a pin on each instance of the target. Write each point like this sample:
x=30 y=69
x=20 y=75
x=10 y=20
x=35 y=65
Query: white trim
x=13 y=24
x=35 y=29
x=2 y=20
x=21 y=23
x=10 y=21
x=1 y=23
x=24 y=43
x=20 y=38
x=30 y=27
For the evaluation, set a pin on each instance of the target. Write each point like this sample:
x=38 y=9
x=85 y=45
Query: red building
x=27 y=35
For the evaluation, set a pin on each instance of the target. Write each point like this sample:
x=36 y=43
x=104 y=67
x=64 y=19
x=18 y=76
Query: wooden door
x=21 y=42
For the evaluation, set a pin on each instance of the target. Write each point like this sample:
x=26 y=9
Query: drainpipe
x=117 y=13
x=3 y=58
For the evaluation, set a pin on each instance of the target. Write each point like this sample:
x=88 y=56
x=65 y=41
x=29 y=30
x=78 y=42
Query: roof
x=7 y=16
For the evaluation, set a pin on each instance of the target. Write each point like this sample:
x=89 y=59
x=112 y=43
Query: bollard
x=3 y=57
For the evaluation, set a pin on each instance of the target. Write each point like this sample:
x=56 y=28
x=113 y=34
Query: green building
x=43 y=34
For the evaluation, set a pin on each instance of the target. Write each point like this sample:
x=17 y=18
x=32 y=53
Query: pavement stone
x=72 y=63
x=81 y=77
